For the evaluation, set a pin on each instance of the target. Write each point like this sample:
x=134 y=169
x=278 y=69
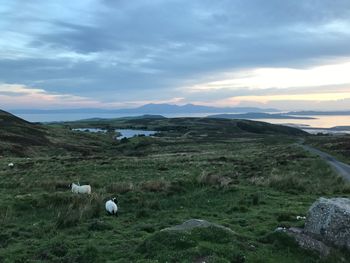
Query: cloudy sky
x=286 y=54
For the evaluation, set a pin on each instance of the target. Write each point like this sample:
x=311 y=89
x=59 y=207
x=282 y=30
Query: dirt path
x=341 y=168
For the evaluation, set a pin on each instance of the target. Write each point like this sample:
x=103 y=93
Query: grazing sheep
x=80 y=189
x=111 y=206
x=11 y=165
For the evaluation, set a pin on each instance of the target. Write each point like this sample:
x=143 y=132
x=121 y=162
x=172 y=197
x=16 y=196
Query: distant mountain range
x=259 y=115
x=183 y=109
x=149 y=109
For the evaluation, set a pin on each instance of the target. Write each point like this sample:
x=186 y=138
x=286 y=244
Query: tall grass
x=81 y=208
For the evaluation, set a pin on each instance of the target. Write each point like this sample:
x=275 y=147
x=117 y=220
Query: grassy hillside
x=205 y=127
x=21 y=138
x=246 y=178
x=19 y=133
x=162 y=183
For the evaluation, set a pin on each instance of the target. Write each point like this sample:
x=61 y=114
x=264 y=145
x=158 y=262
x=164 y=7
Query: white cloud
x=20 y=96
x=263 y=78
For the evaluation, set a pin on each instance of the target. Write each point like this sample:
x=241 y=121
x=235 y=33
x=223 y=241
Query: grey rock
x=195 y=223
x=307 y=242
x=328 y=220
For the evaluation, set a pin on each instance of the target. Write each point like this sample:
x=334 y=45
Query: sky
x=290 y=55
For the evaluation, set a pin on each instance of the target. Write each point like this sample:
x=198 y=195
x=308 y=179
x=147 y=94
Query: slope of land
x=248 y=182
x=21 y=138
x=196 y=127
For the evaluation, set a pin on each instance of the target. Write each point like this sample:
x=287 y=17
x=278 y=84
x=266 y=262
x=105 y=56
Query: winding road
x=341 y=168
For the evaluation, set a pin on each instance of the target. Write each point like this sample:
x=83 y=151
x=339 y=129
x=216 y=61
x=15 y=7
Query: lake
x=125 y=133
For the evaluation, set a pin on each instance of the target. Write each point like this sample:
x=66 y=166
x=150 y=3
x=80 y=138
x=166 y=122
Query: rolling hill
x=209 y=127
x=21 y=138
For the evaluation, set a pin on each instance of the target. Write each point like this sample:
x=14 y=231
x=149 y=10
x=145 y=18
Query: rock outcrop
x=195 y=223
x=308 y=242
x=328 y=220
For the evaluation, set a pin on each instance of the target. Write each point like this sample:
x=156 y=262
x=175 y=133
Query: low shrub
x=6 y=215
x=155 y=185
x=146 y=227
x=54 y=185
x=81 y=207
x=142 y=213
x=119 y=188
x=290 y=184
x=89 y=255
x=285 y=216
x=214 y=180
x=154 y=204
x=99 y=225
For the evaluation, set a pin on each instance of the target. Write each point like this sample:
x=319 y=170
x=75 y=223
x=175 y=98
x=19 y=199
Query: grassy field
x=249 y=182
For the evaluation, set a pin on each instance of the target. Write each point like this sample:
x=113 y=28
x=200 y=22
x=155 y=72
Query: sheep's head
x=114 y=199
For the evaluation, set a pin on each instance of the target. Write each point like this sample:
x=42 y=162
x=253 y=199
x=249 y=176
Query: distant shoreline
x=257 y=115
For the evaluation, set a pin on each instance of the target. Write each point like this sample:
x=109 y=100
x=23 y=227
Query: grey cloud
x=149 y=48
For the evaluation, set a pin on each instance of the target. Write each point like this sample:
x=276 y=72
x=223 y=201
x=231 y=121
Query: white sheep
x=81 y=189
x=111 y=206
x=11 y=165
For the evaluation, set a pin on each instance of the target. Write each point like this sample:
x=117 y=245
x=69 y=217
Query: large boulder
x=329 y=221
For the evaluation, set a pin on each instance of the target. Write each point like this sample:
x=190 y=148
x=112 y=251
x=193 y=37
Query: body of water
x=322 y=123
x=128 y=133
x=89 y=130
x=124 y=133
x=318 y=122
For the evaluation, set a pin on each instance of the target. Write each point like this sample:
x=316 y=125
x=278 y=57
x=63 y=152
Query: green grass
x=248 y=176
x=162 y=182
